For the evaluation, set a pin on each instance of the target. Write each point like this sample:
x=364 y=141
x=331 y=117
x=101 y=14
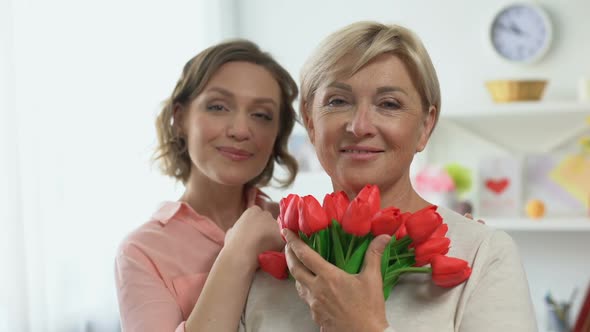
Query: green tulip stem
x=398 y=256
x=350 y=247
x=414 y=269
x=319 y=243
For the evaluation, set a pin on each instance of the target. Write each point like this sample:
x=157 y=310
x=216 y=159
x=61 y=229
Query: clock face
x=521 y=33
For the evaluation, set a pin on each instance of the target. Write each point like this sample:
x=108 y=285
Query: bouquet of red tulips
x=341 y=230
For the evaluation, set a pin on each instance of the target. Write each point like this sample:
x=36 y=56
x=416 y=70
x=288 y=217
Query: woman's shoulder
x=470 y=238
x=153 y=232
x=462 y=226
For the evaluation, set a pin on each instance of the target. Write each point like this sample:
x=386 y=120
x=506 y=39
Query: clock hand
x=514 y=28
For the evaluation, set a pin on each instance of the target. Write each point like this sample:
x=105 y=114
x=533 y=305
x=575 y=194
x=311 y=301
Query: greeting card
x=558 y=183
x=573 y=174
x=500 y=185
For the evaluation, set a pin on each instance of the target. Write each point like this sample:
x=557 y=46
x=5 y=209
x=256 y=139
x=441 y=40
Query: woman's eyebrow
x=266 y=101
x=391 y=89
x=340 y=85
x=261 y=100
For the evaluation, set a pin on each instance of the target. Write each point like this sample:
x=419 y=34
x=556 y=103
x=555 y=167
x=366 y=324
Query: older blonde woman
x=370 y=101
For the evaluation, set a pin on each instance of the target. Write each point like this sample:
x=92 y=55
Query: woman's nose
x=238 y=127
x=361 y=124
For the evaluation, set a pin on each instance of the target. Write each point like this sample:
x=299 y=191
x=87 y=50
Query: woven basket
x=503 y=91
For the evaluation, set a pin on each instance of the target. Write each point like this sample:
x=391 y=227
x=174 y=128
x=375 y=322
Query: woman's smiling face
x=367 y=128
x=232 y=125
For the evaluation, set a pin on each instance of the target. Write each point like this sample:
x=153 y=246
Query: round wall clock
x=521 y=32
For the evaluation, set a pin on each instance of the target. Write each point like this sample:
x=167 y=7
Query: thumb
x=373 y=255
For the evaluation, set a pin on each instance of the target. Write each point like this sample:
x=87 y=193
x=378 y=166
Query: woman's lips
x=360 y=152
x=234 y=154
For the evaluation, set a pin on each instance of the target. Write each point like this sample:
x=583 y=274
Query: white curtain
x=80 y=84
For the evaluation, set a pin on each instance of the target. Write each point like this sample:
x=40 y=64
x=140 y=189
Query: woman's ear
x=427 y=127
x=307 y=120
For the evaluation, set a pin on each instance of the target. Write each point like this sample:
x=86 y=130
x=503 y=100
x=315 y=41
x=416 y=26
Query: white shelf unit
x=554 y=248
x=521 y=127
x=467 y=134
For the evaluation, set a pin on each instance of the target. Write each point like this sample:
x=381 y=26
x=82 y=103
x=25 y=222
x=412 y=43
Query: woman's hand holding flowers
x=336 y=298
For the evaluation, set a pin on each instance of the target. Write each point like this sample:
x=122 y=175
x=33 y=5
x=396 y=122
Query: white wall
x=455 y=33
x=10 y=253
x=80 y=84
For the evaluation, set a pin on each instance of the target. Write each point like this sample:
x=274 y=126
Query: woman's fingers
x=468 y=215
x=303 y=262
x=299 y=271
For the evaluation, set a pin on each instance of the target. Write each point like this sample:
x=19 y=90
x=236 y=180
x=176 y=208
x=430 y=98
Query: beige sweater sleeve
x=497 y=297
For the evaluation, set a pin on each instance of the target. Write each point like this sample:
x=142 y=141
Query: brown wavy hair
x=171 y=151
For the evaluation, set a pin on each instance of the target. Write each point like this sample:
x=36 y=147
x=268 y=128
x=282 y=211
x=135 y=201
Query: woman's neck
x=222 y=204
x=406 y=199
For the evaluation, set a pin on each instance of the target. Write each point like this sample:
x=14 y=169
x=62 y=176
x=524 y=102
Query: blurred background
x=82 y=81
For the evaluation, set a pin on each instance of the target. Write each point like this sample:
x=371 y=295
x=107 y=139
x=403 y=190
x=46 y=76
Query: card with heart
x=500 y=187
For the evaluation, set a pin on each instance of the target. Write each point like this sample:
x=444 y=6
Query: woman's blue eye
x=390 y=105
x=336 y=102
x=215 y=107
x=263 y=116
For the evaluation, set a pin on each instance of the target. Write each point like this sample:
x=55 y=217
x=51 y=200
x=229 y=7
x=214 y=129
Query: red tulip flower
x=449 y=271
x=402 y=230
x=274 y=263
x=312 y=217
x=433 y=247
x=360 y=212
x=335 y=204
x=386 y=221
x=289 y=214
x=371 y=194
x=422 y=224
x=441 y=231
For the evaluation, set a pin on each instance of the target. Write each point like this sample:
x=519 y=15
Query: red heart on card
x=497 y=186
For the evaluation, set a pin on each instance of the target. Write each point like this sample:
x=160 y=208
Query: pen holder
x=558 y=317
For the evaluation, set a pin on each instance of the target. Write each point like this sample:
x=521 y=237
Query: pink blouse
x=161 y=267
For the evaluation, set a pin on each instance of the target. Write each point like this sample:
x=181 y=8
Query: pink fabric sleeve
x=145 y=304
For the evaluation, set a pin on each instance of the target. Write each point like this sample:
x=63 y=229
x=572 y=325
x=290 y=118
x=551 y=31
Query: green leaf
x=385 y=257
x=353 y=265
x=337 y=246
x=402 y=243
x=323 y=243
x=305 y=239
x=315 y=242
x=387 y=288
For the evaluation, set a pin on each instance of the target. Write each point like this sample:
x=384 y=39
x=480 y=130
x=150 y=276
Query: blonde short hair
x=172 y=152
x=358 y=44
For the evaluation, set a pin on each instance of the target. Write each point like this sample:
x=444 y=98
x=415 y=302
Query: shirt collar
x=168 y=210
